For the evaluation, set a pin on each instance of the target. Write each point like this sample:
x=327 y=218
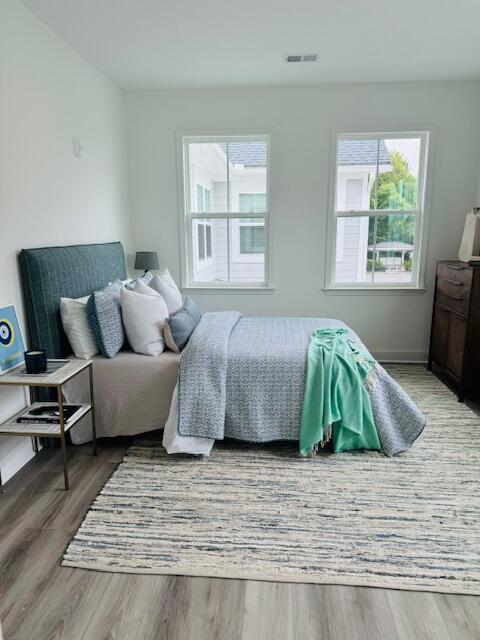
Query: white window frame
x=420 y=212
x=187 y=216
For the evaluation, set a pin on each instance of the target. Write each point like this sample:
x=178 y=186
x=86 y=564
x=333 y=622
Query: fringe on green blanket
x=336 y=404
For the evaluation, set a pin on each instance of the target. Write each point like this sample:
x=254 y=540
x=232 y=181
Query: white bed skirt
x=176 y=443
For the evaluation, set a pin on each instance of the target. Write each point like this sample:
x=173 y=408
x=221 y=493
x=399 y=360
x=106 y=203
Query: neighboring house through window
x=252 y=202
x=203 y=198
x=378 y=210
x=204 y=239
x=249 y=233
x=353 y=201
x=252 y=239
x=226 y=210
x=203 y=227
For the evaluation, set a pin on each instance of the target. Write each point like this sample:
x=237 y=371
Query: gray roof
x=356 y=152
x=392 y=246
x=250 y=154
x=350 y=152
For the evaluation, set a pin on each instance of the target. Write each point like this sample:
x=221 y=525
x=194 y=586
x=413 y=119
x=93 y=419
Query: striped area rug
x=261 y=512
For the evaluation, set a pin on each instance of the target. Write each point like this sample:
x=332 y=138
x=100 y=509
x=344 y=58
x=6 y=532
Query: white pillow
x=165 y=285
x=143 y=318
x=73 y=312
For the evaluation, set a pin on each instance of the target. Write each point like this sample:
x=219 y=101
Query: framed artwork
x=12 y=346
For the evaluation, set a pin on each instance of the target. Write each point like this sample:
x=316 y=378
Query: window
x=203 y=198
x=252 y=238
x=204 y=239
x=226 y=210
x=249 y=233
x=204 y=227
x=252 y=202
x=378 y=210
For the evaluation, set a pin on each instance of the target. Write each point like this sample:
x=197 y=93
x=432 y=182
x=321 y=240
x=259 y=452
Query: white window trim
x=186 y=217
x=422 y=212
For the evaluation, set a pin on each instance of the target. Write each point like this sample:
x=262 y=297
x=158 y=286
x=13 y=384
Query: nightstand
x=56 y=379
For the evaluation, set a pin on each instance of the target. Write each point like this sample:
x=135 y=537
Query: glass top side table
x=56 y=379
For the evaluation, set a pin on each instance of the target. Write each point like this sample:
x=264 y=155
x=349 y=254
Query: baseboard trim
x=15 y=457
x=414 y=356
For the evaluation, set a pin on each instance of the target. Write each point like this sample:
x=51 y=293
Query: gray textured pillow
x=105 y=319
x=179 y=327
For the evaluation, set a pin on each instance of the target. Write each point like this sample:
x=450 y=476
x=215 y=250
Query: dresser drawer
x=455 y=272
x=457 y=307
x=453 y=295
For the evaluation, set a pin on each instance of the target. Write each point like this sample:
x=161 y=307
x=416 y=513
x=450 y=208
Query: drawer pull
x=457 y=315
x=452 y=296
x=455 y=282
x=457 y=267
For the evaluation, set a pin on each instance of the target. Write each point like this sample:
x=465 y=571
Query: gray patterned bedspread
x=244 y=378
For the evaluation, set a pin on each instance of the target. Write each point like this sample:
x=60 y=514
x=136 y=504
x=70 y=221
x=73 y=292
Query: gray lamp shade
x=146 y=260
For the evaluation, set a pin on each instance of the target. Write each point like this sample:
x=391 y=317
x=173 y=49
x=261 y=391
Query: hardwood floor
x=41 y=600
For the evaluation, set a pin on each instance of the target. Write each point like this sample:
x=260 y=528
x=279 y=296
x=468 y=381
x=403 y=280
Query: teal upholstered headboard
x=50 y=273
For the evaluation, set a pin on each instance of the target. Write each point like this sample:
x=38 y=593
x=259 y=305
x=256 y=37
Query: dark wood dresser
x=455 y=334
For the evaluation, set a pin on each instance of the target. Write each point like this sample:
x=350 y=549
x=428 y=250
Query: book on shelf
x=47 y=413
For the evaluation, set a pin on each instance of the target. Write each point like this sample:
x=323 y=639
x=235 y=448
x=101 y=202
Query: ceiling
x=220 y=43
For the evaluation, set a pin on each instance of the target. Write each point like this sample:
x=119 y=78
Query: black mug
x=35 y=361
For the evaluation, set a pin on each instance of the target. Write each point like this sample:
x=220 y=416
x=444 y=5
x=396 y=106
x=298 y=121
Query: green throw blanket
x=336 y=403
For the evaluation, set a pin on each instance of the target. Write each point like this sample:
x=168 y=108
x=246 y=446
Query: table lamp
x=146 y=260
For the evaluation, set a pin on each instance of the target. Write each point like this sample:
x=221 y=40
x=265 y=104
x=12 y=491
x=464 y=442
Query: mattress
x=133 y=394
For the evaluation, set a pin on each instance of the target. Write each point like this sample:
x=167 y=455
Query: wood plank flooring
x=40 y=600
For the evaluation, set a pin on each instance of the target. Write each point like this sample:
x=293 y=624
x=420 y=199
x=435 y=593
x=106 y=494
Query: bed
x=241 y=378
x=260 y=380
x=133 y=392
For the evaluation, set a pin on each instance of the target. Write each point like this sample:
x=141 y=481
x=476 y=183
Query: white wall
x=48 y=94
x=300 y=120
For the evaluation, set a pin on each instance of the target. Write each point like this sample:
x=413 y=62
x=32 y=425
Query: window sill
x=234 y=289
x=348 y=291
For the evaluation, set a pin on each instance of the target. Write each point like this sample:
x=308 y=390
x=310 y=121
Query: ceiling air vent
x=302 y=57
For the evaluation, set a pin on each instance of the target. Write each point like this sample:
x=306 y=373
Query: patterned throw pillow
x=105 y=318
x=178 y=328
x=146 y=279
